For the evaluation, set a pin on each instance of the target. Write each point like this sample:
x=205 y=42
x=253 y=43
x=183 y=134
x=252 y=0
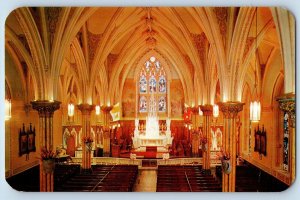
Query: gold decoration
x=45 y=108
x=207 y=109
x=230 y=109
x=106 y=109
x=86 y=108
x=287 y=104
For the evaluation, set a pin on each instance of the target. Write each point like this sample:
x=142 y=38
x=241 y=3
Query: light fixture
x=7 y=109
x=97 y=110
x=255 y=105
x=215 y=111
x=70 y=110
x=70 y=105
x=200 y=111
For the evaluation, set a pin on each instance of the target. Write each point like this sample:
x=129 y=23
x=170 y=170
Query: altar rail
x=110 y=161
x=126 y=161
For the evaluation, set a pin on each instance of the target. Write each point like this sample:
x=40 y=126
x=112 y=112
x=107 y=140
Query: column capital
x=85 y=108
x=207 y=109
x=106 y=109
x=230 y=109
x=45 y=108
x=287 y=104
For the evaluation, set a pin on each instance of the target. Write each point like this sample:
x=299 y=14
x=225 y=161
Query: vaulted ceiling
x=86 y=54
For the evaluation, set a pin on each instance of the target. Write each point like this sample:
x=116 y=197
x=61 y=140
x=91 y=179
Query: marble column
x=287 y=104
x=106 y=135
x=45 y=110
x=86 y=110
x=230 y=111
x=207 y=114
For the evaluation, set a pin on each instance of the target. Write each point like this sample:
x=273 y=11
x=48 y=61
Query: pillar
x=86 y=110
x=287 y=104
x=195 y=116
x=230 y=111
x=106 y=111
x=45 y=110
x=106 y=135
x=207 y=114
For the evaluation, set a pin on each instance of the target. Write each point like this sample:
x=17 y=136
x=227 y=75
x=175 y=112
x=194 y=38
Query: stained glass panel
x=143 y=104
x=162 y=104
x=152 y=84
x=143 y=84
x=162 y=84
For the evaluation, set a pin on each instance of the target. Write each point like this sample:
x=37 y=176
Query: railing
x=110 y=161
x=180 y=161
x=187 y=179
x=99 y=182
x=127 y=161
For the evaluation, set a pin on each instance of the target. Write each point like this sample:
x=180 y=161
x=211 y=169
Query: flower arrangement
x=87 y=139
x=47 y=154
x=223 y=155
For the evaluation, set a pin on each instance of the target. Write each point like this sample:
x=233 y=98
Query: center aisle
x=146 y=181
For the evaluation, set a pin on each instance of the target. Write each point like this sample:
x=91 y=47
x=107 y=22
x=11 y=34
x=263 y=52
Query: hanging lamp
x=70 y=105
x=7 y=109
x=255 y=108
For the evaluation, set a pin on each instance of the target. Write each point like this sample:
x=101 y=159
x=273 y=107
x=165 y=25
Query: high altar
x=152 y=136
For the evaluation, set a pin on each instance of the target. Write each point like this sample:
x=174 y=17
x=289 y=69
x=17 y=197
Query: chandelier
x=255 y=105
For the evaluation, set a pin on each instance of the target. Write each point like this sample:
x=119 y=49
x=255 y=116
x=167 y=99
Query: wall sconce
x=255 y=111
x=70 y=110
x=97 y=110
x=7 y=109
x=200 y=111
x=215 y=111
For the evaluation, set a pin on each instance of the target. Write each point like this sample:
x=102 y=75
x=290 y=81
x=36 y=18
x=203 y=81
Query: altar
x=152 y=142
x=152 y=136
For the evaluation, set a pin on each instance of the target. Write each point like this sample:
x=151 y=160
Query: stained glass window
x=286 y=142
x=152 y=87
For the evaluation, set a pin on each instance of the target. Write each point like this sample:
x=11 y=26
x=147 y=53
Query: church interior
x=156 y=99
